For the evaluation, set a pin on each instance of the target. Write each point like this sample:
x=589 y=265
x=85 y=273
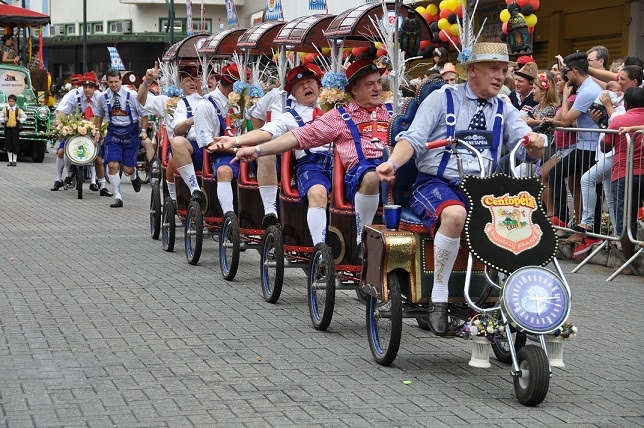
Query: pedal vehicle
x=505 y=234
x=81 y=152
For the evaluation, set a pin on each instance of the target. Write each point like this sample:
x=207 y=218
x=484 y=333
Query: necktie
x=317 y=112
x=89 y=113
x=117 y=101
x=478 y=120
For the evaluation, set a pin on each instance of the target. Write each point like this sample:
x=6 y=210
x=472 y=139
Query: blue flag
x=317 y=4
x=273 y=11
x=231 y=13
x=115 y=58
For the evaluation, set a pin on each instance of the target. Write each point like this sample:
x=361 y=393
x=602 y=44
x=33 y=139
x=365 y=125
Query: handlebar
x=438 y=143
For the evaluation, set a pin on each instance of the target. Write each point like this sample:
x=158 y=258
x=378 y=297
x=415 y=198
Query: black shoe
x=136 y=184
x=437 y=318
x=199 y=197
x=117 y=204
x=105 y=192
x=57 y=185
x=269 y=219
x=359 y=254
x=10 y=164
x=14 y=164
x=93 y=187
x=67 y=181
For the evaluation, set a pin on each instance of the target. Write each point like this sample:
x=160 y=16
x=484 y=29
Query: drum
x=81 y=150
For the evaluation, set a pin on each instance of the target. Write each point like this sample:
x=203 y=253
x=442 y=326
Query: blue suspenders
x=127 y=107
x=189 y=112
x=353 y=128
x=222 y=122
x=450 y=120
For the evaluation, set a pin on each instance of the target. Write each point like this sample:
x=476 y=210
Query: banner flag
x=231 y=13
x=273 y=11
x=115 y=58
x=317 y=4
x=189 y=29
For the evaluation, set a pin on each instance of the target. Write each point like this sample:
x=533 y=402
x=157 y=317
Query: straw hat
x=528 y=71
x=489 y=52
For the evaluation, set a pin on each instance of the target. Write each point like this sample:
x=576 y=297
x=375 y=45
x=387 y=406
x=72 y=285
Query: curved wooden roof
x=301 y=34
x=223 y=44
x=259 y=39
x=185 y=48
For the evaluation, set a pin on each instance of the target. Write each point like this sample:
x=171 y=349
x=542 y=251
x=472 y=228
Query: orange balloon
x=381 y=52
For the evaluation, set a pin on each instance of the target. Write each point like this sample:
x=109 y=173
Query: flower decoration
x=567 y=331
x=174 y=93
x=243 y=96
x=484 y=325
x=464 y=55
x=73 y=125
x=332 y=92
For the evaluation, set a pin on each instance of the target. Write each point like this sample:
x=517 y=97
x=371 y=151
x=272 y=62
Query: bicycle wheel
x=193 y=235
x=321 y=286
x=272 y=264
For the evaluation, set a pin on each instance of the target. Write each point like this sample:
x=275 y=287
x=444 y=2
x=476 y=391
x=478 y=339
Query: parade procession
x=410 y=190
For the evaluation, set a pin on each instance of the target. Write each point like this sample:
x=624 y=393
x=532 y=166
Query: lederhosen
x=364 y=165
x=221 y=158
x=122 y=135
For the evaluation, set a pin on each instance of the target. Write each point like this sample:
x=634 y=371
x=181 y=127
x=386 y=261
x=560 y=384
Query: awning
x=14 y=15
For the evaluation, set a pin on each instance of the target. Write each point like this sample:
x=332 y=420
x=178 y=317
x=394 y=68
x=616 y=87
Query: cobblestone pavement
x=100 y=327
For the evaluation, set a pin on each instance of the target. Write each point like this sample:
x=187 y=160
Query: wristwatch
x=536 y=299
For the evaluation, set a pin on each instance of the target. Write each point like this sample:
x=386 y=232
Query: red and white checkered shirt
x=331 y=127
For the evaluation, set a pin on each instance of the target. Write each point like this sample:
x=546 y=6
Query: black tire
x=193 y=232
x=155 y=172
x=272 y=264
x=532 y=386
x=142 y=172
x=384 y=322
x=362 y=296
x=229 y=241
x=80 y=176
x=423 y=323
x=155 y=213
x=321 y=286
x=501 y=348
x=168 y=225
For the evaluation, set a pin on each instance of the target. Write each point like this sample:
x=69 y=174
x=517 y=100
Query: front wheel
x=272 y=264
x=229 y=241
x=384 y=322
x=155 y=213
x=193 y=235
x=142 y=171
x=168 y=225
x=501 y=347
x=155 y=172
x=321 y=286
x=531 y=387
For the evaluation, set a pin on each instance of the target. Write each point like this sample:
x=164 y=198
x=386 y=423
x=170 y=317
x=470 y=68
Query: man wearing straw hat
x=356 y=139
x=473 y=110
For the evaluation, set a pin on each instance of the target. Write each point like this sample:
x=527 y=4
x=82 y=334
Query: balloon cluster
x=446 y=29
x=527 y=9
x=431 y=15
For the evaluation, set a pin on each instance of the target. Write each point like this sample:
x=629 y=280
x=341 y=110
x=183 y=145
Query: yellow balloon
x=453 y=29
x=378 y=45
x=443 y=24
x=303 y=55
x=326 y=51
x=531 y=20
x=432 y=9
x=420 y=10
x=504 y=15
x=443 y=4
x=452 y=4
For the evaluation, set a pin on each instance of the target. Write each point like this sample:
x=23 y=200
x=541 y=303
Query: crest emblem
x=511 y=227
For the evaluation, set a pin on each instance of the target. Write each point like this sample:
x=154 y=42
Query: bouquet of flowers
x=567 y=331
x=243 y=96
x=175 y=95
x=332 y=92
x=487 y=325
x=76 y=124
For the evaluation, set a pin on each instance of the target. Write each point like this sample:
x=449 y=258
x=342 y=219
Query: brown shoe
x=437 y=318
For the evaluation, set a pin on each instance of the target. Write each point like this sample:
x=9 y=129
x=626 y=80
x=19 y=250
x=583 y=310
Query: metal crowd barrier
x=566 y=197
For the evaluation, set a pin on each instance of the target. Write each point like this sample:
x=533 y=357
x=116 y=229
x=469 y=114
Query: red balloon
x=508 y=2
x=530 y=30
x=424 y=44
x=381 y=52
x=310 y=57
x=443 y=35
x=357 y=51
x=445 y=13
x=459 y=11
x=504 y=27
x=428 y=17
x=522 y=3
x=535 y=4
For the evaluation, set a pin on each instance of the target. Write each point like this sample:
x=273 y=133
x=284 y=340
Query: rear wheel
x=193 y=235
x=384 y=322
x=321 y=286
x=532 y=386
x=272 y=264
x=142 y=172
x=229 y=241
x=155 y=212
x=168 y=225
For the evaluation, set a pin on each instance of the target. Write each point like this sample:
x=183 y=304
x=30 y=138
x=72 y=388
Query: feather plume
x=168 y=74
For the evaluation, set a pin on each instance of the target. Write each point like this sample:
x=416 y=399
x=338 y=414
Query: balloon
x=428 y=17
x=453 y=29
x=434 y=27
x=381 y=52
x=531 y=20
x=508 y=2
x=443 y=4
x=535 y=4
x=431 y=8
x=459 y=11
x=530 y=30
x=357 y=51
x=504 y=15
x=310 y=57
x=522 y=3
x=435 y=37
x=451 y=18
x=527 y=10
x=424 y=44
x=378 y=45
x=443 y=24
x=504 y=37
x=420 y=10
x=326 y=51
x=443 y=35
x=504 y=28
x=452 y=4
x=445 y=13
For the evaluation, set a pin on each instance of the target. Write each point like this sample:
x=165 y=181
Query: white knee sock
x=60 y=165
x=101 y=183
x=316 y=218
x=68 y=165
x=366 y=207
x=9 y=157
x=225 y=195
x=172 y=190
x=92 y=174
x=115 y=181
x=188 y=174
x=445 y=252
x=269 y=196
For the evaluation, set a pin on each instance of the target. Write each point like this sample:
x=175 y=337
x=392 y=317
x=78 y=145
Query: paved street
x=100 y=327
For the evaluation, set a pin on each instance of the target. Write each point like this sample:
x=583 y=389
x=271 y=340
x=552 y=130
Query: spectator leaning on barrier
x=634 y=116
